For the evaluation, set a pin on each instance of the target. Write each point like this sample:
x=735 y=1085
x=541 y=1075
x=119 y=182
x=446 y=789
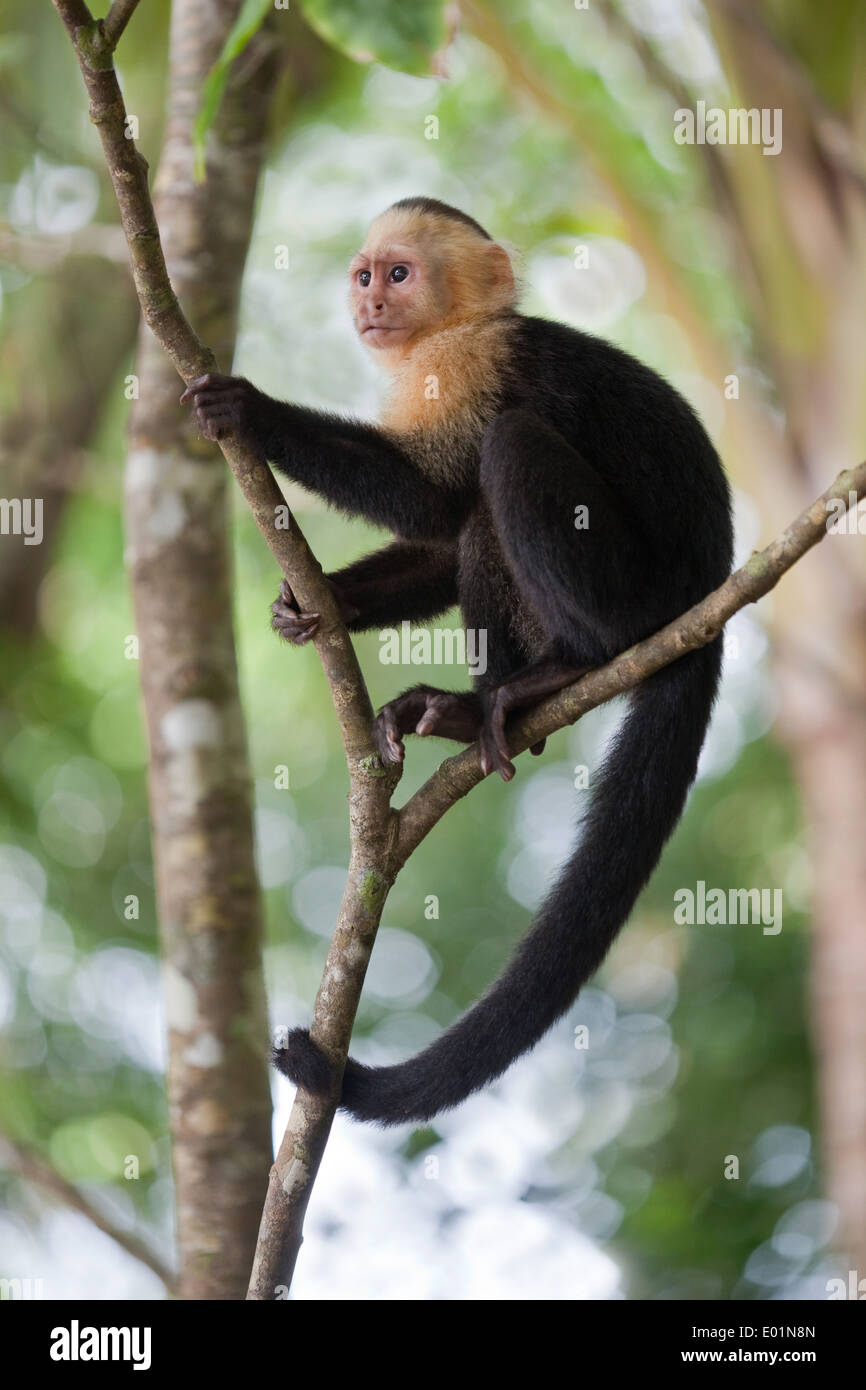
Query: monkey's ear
x=501 y=271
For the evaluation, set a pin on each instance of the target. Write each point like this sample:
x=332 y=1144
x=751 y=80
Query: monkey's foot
x=426 y=711
x=523 y=690
x=288 y=620
x=492 y=742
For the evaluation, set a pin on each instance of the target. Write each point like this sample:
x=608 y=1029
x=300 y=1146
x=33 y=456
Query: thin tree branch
x=29 y=1165
x=695 y=628
x=165 y=318
x=104 y=33
x=75 y=15
x=118 y=17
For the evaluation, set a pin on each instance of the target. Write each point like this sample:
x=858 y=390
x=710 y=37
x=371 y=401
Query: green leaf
x=401 y=36
x=250 y=18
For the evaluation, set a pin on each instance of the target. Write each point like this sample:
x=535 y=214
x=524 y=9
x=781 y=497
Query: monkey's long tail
x=639 y=797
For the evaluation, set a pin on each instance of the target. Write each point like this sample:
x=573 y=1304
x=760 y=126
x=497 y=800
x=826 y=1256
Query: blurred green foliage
x=402 y=36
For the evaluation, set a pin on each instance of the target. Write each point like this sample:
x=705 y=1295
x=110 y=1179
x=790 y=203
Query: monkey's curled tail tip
x=302 y=1062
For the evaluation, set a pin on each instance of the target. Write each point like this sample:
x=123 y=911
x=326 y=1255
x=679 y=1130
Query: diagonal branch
x=700 y=625
x=300 y=1154
x=28 y=1164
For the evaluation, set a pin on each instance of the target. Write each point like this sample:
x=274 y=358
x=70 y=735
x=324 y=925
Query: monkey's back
x=608 y=427
x=638 y=434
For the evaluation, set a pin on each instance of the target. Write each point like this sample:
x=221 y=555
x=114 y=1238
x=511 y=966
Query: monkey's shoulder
x=574 y=362
x=603 y=399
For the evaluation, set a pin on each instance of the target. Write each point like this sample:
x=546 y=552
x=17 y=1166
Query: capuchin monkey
x=497 y=428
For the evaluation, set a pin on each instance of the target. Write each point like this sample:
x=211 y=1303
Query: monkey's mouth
x=377 y=334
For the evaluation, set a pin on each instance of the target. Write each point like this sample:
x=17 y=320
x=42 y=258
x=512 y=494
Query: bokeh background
x=599 y=1173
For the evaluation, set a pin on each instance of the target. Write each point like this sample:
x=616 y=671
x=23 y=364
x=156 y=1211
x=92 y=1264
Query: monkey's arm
x=353 y=465
x=405 y=580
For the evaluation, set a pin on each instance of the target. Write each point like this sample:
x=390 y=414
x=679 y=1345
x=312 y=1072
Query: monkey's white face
x=393 y=296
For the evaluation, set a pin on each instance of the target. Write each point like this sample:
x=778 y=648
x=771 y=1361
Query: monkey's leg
x=582 y=584
x=425 y=710
x=587 y=586
x=522 y=691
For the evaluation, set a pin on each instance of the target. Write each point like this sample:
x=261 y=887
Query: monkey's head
x=424 y=267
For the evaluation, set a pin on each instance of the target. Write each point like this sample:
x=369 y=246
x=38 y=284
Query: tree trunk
x=179 y=555
x=814 y=295
x=822 y=719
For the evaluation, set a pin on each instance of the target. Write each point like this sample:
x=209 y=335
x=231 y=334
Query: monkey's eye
x=399 y=273
x=364 y=277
